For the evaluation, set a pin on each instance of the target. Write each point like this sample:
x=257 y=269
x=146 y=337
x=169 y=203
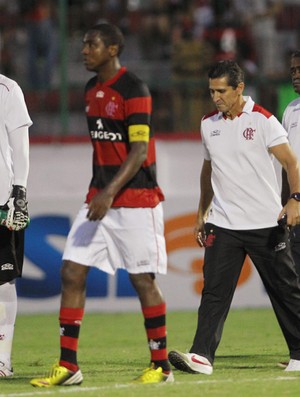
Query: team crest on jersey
x=248 y=134
x=215 y=133
x=111 y=108
x=100 y=94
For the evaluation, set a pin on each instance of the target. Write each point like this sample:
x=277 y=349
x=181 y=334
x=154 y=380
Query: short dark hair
x=229 y=69
x=110 y=35
x=295 y=54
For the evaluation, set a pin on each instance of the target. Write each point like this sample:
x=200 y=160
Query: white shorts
x=126 y=238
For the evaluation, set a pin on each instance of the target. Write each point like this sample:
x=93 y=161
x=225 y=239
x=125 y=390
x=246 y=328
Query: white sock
x=8 y=313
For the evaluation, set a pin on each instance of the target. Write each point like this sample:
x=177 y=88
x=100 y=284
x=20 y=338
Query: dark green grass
x=113 y=350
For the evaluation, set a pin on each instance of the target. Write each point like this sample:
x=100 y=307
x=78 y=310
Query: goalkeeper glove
x=3 y=216
x=17 y=213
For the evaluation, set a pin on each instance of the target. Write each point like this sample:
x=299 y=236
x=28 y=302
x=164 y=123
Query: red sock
x=155 y=325
x=70 y=321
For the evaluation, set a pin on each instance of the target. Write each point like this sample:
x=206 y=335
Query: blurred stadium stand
x=152 y=30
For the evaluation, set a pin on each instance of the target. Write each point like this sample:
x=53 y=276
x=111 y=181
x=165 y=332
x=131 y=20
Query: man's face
x=224 y=96
x=94 y=52
x=295 y=73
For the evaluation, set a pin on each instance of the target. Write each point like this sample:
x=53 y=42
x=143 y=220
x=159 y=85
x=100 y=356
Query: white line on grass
x=71 y=389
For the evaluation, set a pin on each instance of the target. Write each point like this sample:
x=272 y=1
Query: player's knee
x=73 y=275
x=142 y=282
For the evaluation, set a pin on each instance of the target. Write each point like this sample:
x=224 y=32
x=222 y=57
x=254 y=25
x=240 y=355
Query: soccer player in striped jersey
x=120 y=224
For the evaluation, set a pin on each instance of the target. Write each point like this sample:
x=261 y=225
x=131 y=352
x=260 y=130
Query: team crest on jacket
x=248 y=134
x=111 y=108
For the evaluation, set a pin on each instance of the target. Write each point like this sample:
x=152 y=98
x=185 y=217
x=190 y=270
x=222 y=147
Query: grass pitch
x=113 y=350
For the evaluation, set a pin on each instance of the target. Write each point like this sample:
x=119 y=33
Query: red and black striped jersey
x=111 y=107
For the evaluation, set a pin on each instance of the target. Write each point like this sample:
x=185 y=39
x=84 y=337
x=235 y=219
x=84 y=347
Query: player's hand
x=199 y=233
x=99 y=206
x=292 y=212
x=3 y=215
x=200 y=237
x=17 y=212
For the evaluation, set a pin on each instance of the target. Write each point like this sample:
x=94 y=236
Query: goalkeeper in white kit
x=14 y=168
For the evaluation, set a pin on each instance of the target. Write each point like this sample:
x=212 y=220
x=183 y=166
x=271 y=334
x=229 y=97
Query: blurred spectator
x=39 y=18
x=203 y=15
x=8 y=25
x=231 y=39
x=288 y=22
x=260 y=16
x=190 y=59
x=154 y=32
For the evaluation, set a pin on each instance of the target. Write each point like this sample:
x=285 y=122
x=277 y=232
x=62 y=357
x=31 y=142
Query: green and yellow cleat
x=154 y=375
x=59 y=376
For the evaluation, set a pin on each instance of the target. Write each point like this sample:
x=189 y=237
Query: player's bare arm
x=285 y=189
x=204 y=203
x=288 y=159
x=103 y=200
